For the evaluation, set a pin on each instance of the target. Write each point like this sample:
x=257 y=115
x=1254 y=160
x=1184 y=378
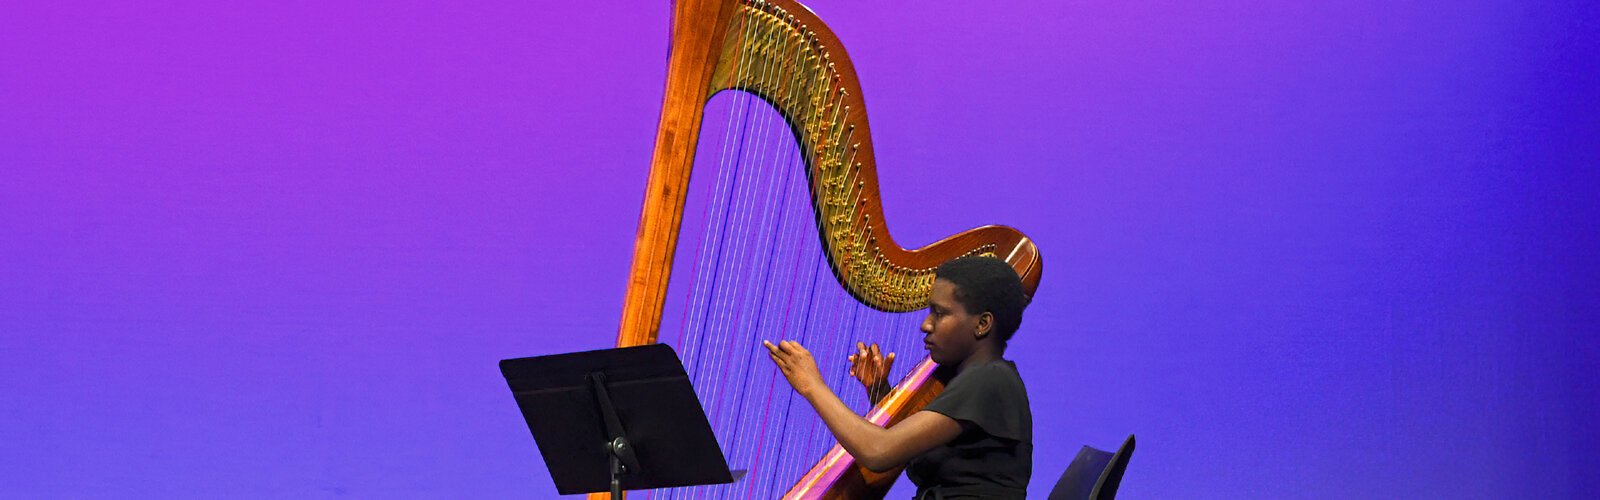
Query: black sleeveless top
x=993 y=456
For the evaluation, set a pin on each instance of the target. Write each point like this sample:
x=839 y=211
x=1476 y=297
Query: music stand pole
x=622 y=459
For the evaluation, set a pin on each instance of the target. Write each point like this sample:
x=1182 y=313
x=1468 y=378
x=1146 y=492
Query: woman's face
x=951 y=333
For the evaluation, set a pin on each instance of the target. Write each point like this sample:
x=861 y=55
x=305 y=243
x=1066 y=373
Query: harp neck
x=780 y=51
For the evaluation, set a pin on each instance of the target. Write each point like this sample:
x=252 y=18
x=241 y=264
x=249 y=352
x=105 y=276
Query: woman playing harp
x=975 y=440
x=820 y=197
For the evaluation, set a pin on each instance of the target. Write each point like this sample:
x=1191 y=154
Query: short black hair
x=987 y=284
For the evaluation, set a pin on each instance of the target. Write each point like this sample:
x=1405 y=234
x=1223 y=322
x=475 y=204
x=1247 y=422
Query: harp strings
x=724 y=319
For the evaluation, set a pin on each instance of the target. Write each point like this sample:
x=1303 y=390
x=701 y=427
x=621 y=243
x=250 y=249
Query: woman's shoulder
x=990 y=395
x=999 y=371
x=996 y=381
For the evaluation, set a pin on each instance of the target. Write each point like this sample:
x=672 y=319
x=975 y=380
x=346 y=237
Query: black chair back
x=1094 y=474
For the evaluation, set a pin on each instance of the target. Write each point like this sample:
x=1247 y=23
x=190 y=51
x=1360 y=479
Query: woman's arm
x=876 y=448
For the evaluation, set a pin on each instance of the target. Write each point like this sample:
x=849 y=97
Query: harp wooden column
x=698 y=25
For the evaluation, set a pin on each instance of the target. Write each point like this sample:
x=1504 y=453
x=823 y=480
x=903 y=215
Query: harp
x=780 y=55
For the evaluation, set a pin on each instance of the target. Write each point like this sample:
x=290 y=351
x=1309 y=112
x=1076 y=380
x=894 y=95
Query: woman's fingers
x=786 y=348
x=776 y=354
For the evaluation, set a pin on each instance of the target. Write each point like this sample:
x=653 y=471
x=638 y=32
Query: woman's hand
x=871 y=367
x=797 y=366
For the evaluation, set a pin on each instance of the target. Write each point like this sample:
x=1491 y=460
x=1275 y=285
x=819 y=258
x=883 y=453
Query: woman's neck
x=985 y=353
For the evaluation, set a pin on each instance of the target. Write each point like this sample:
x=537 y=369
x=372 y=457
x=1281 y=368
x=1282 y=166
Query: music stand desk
x=616 y=419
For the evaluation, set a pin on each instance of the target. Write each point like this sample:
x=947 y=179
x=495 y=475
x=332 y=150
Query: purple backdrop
x=275 y=249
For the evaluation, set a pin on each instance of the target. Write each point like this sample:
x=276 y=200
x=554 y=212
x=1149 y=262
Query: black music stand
x=617 y=419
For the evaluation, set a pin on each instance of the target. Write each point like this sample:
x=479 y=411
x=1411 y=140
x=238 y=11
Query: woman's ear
x=985 y=324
